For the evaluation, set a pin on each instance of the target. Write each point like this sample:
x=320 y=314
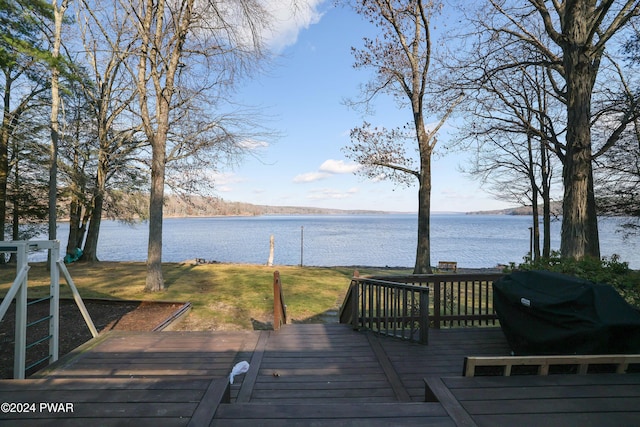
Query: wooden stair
x=332 y=414
x=323 y=374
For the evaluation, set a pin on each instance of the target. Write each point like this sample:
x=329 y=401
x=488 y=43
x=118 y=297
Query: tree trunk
x=579 y=218
x=75 y=211
x=535 y=255
x=75 y=207
x=15 y=227
x=90 y=250
x=155 y=279
x=91 y=245
x=4 y=156
x=423 y=251
x=55 y=125
x=546 y=200
x=535 y=235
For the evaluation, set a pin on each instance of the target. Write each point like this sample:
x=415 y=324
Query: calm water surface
x=474 y=241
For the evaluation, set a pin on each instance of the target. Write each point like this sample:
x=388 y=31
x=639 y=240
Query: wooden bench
x=448 y=266
x=620 y=361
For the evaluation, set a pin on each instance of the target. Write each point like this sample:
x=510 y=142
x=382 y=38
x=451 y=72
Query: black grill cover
x=542 y=312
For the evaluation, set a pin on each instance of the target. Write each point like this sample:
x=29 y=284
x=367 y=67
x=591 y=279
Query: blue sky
x=302 y=95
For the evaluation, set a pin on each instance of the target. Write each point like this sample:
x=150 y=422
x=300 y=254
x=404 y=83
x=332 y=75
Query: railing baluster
x=396 y=305
x=363 y=306
x=436 y=303
x=459 y=301
x=377 y=307
x=480 y=300
x=473 y=299
x=355 y=304
x=386 y=310
x=424 y=318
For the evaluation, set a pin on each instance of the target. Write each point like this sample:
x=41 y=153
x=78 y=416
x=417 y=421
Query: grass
x=223 y=296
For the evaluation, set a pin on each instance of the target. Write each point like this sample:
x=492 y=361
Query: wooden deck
x=308 y=374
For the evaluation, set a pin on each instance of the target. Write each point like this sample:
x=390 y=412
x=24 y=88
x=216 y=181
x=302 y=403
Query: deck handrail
x=544 y=362
x=18 y=290
x=389 y=308
x=279 y=307
x=456 y=299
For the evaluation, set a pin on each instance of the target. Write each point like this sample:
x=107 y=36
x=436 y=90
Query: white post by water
x=301 y=244
x=271 y=248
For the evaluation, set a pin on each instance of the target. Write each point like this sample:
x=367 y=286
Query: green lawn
x=223 y=296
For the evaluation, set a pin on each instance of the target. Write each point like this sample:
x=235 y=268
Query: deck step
x=369 y=414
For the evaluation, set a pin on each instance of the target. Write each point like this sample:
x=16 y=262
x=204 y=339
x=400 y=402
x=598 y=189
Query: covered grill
x=543 y=312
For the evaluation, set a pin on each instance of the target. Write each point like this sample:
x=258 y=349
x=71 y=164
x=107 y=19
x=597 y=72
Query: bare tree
x=400 y=57
x=59 y=11
x=76 y=161
x=618 y=181
x=618 y=173
x=203 y=42
x=512 y=122
x=108 y=41
x=576 y=36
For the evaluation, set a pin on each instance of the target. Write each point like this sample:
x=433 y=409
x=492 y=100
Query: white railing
x=18 y=290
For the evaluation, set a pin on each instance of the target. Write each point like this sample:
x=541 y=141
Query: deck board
x=325 y=375
x=323 y=414
x=313 y=363
x=141 y=379
x=559 y=400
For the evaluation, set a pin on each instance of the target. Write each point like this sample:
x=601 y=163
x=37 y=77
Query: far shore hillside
x=201 y=206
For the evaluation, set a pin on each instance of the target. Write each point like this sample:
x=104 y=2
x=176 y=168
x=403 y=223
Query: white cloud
x=225 y=178
x=289 y=18
x=329 y=193
x=328 y=168
x=310 y=177
x=338 y=167
x=252 y=144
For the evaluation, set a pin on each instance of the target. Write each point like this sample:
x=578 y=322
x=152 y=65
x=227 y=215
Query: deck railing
x=387 y=307
x=453 y=300
x=279 y=307
x=457 y=299
x=18 y=290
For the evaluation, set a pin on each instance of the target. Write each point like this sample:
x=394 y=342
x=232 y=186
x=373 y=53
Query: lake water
x=473 y=241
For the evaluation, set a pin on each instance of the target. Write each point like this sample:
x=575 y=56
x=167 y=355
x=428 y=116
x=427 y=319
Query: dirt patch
x=106 y=316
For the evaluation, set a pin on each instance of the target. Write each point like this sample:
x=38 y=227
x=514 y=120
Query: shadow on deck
x=306 y=374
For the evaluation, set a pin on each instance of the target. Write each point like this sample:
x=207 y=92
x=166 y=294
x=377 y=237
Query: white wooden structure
x=18 y=290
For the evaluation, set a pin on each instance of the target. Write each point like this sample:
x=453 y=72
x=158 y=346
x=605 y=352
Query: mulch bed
x=106 y=316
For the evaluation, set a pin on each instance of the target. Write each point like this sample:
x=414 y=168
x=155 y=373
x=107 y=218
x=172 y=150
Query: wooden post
x=271 y=247
x=355 y=300
x=19 y=359
x=278 y=309
x=301 y=245
x=436 y=303
x=54 y=303
x=424 y=317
